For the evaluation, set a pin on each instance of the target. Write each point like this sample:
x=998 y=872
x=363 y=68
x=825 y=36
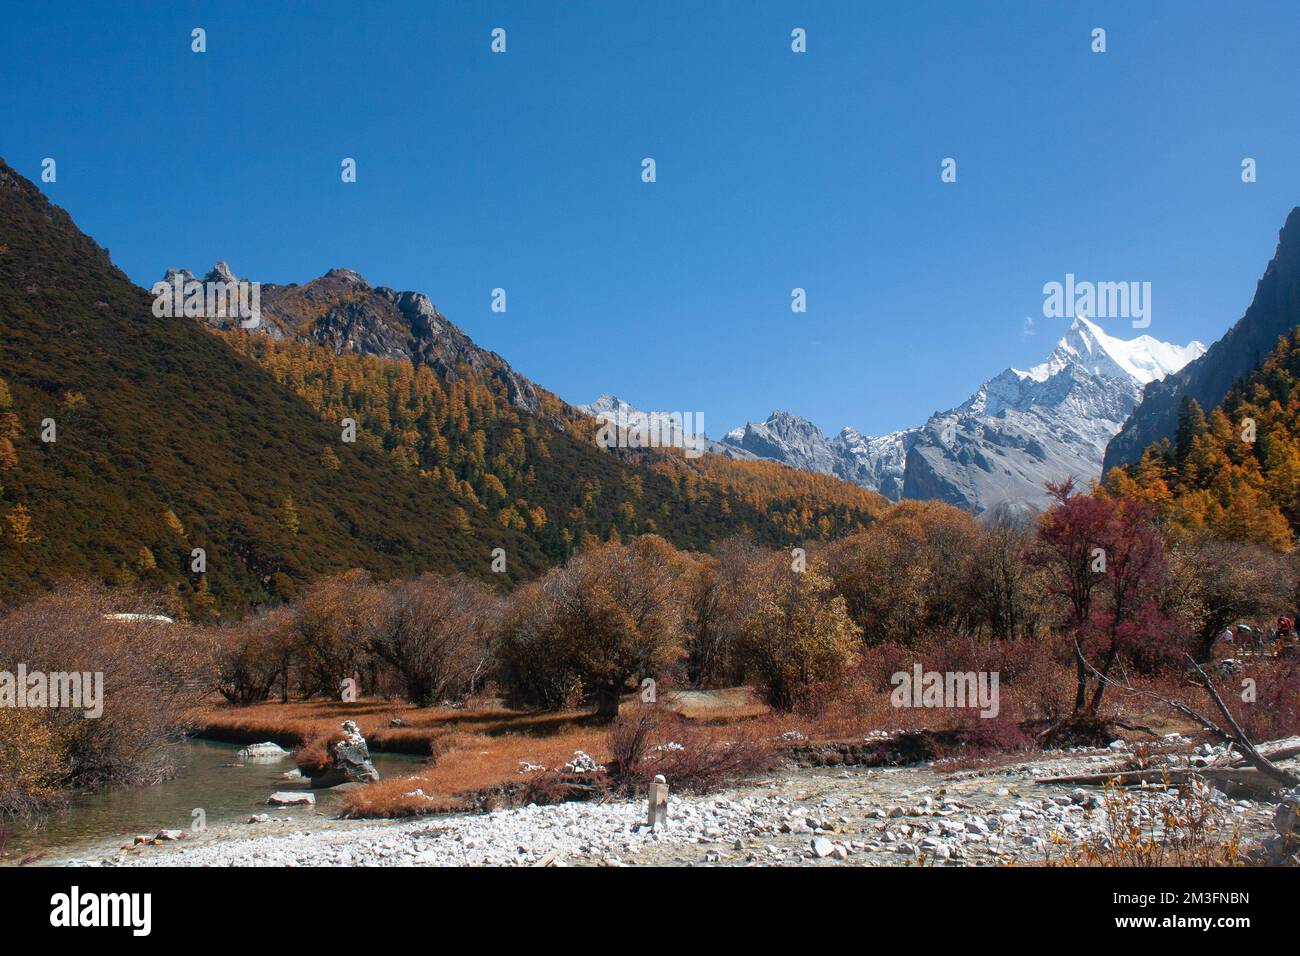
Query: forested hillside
x=131 y=442
x=1235 y=471
x=543 y=474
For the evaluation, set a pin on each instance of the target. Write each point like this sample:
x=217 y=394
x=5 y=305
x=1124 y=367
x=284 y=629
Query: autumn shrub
x=1039 y=676
x=32 y=763
x=530 y=673
x=909 y=573
x=1274 y=708
x=718 y=601
x=254 y=657
x=973 y=735
x=613 y=614
x=549 y=787
x=331 y=627
x=799 y=637
x=1214 y=584
x=1033 y=672
x=1107 y=567
x=434 y=633
x=649 y=741
x=711 y=758
x=154 y=674
x=630 y=738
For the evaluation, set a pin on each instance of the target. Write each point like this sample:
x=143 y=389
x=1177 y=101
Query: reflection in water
x=209 y=776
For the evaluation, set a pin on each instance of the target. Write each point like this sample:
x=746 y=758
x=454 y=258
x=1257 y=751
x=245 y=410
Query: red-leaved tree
x=1104 y=557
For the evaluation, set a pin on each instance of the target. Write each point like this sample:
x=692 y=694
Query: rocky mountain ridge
x=344 y=312
x=997 y=449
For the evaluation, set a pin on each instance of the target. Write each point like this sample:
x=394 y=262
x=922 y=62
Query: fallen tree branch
x=1239 y=738
x=1235 y=736
x=1271 y=750
x=1228 y=779
x=1123 y=778
x=1138 y=728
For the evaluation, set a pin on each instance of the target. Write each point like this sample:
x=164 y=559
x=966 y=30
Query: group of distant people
x=1258 y=640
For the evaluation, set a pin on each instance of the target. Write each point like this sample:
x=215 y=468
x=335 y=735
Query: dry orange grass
x=474 y=750
x=472 y=766
x=292 y=724
x=485 y=750
x=424 y=728
x=724 y=706
x=476 y=754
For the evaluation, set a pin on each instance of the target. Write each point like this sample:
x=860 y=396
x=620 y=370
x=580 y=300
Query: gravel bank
x=807 y=817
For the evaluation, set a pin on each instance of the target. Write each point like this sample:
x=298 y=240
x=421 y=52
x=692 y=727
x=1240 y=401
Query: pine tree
x=1191 y=425
x=288 y=515
x=19 y=520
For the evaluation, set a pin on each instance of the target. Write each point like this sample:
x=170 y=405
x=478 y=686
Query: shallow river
x=210 y=777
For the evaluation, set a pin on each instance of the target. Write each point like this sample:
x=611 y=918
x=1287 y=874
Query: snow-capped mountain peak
x=1023 y=429
x=1019 y=430
x=613 y=409
x=608 y=405
x=1143 y=359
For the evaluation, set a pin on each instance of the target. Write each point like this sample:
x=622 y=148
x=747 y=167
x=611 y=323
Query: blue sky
x=775 y=170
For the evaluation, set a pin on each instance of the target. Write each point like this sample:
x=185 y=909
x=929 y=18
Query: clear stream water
x=209 y=776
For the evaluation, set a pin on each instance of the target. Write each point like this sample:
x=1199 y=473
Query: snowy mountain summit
x=1143 y=359
x=997 y=449
x=669 y=427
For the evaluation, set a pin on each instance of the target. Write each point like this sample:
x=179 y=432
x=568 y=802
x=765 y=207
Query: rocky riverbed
x=875 y=817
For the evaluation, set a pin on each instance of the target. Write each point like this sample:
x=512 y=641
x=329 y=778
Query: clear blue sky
x=775 y=170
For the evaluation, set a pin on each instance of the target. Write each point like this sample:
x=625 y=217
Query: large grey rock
x=263 y=751
x=1284 y=848
x=291 y=798
x=349 y=761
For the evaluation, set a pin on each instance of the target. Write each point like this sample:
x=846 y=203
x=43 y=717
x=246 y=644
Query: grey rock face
x=789 y=439
x=345 y=313
x=873 y=462
x=1058 y=429
x=221 y=273
x=877 y=462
